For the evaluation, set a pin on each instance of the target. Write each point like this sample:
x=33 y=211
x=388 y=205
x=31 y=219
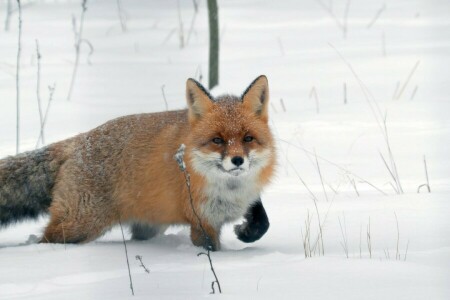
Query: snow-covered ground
x=298 y=45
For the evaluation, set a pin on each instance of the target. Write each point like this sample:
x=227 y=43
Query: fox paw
x=251 y=232
x=255 y=225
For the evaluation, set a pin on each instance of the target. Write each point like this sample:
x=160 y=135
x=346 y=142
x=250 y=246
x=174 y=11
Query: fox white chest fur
x=229 y=190
x=229 y=199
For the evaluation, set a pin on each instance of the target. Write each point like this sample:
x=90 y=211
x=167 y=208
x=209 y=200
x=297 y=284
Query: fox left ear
x=256 y=97
x=198 y=99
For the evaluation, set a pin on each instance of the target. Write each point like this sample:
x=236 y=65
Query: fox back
x=125 y=171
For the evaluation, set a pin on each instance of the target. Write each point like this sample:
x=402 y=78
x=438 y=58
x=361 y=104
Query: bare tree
x=213 y=16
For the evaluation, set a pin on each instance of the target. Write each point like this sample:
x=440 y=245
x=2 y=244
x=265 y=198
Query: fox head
x=230 y=136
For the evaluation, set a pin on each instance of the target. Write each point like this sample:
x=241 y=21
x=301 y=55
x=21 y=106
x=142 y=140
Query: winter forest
x=359 y=111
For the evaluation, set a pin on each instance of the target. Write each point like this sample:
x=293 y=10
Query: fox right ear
x=198 y=99
x=256 y=97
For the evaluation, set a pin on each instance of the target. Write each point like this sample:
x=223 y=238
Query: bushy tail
x=26 y=182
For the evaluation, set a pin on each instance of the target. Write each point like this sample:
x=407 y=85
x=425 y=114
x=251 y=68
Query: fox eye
x=248 y=138
x=218 y=140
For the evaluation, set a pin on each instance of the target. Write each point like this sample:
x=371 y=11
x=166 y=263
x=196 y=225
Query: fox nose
x=237 y=161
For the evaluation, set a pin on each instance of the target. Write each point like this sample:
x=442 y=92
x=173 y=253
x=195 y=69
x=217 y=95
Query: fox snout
x=237 y=161
x=235 y=165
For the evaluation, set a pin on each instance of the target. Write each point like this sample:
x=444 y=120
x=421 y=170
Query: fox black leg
x=255 y=225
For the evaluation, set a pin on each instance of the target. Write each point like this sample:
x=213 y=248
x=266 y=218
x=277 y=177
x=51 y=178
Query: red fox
x=125 y=171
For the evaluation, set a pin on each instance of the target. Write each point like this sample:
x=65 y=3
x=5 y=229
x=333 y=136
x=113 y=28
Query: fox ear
x=256 y=97
x=198 y=99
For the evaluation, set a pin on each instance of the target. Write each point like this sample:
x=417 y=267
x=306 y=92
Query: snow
x=292 y=43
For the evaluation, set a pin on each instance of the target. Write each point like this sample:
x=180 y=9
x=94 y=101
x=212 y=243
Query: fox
x=124 y=171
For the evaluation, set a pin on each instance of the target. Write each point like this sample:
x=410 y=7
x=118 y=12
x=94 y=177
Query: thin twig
x=406 y=251
x=19 y=49
x=344 y=244
x=397 y=87
x=332 y=188
x=38 y=89
x=169 y=36
x=324 y=219
x=397 y=254
x=369 y=240
x=51 y=90
x=345 y=93
x=78 y=39
x=122 y=16
x=180 y=24
x=377 y=15
x=8 y=15
x=345 y=27
x=139 y=258
x=320 y=176
x=413 y=94
x=390 y=172
x=280 y=44
x=282 y=104
x=313 y=93
x=91 y=50
x=164 y=97
x=307 y=237
x=413 y=70
x=198 y=73
x=179 y=157
x=376 y=111
x=373 y=105
x=391 y=157
x=273 y=107
x=332 y=15
x=426 y=173
x=336 y=165
x=427 y=185
x=126 y=254
x=191 y=27
x=353 y=183
x=360 y=241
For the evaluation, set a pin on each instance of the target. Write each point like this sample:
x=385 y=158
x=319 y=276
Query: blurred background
x=359 y=109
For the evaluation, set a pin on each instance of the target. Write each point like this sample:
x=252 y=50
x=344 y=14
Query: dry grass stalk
x=126 y=255
x=377 y=16
x=427 y=185
x=51 y=90
x=38 y=89
x=411 y=73
x=78 y=33
x=179 y=157
x=313 y=93
x=282 y=105
x=369 y=240
x=379 y=118
x=164 y=97
x=336 y=165
x=344 y=242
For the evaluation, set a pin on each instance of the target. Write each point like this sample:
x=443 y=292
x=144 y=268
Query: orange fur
x=125 y=170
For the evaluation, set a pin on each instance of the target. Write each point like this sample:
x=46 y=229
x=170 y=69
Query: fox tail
x=26 y=183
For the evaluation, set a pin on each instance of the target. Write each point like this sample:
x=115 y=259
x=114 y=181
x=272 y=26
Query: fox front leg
x=255 y=225
x=205 y=237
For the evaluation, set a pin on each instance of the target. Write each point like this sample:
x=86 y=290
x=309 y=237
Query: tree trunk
x=213 y=16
